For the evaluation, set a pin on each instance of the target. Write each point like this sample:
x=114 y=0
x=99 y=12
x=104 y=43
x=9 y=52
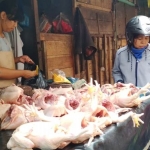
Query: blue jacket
x=130 y=70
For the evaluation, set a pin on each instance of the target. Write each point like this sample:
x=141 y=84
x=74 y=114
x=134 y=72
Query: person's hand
x=29 y=74
x=24 y=59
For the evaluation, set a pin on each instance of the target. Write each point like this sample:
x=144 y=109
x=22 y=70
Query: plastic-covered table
x=120 y=136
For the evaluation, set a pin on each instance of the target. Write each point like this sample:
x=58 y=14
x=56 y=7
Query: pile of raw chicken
x=60 y=116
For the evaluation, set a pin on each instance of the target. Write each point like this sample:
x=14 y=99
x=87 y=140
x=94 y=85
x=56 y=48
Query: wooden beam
x=80 y=4
x=55 y=37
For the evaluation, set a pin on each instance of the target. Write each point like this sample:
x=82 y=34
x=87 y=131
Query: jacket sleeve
x=116 y=72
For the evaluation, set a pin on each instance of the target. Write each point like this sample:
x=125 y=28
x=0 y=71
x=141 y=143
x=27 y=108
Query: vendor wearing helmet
x=10 y=14
x=132 y=62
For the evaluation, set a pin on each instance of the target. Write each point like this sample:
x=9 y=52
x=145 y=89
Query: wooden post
x=74 y=6
x=36 y=19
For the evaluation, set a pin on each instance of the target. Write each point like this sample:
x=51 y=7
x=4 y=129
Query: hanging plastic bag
x=41 y=81
x=45 y=25
x=61 y=24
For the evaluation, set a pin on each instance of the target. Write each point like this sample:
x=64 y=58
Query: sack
x=61 y=24
x=37 y=81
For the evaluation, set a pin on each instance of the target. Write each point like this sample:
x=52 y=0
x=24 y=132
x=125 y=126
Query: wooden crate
x=58 y=53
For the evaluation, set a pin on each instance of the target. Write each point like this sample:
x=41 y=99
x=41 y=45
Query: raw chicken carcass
x=126 y=97
x=12 y=95
x=44 y=98
x=56 y=109
x=13 y=118
x=18 y=115
x=43 y=135
x=93 y=130
x=3 y=109
x=77 y=121
x=60 y=90
x=110 y=89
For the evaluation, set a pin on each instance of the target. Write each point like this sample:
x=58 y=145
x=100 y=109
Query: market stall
x=121 y=136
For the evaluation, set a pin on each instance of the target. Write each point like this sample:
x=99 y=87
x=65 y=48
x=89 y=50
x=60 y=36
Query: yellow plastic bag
x=59 y=77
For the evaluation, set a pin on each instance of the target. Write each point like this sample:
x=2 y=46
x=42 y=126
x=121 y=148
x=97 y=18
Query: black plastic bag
x=30 y=81
x=38 y=81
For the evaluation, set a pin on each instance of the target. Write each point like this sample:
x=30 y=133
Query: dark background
x=51 y=8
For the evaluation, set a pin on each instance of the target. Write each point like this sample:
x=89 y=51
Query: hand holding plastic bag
x=37 y=82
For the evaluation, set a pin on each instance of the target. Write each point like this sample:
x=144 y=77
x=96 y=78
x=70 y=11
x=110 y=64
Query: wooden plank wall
x=124 y=13
x=108 y=32
x=100 y=67
x=103 y=59
x=58 y=53
x=100 y=20
x=98 y=17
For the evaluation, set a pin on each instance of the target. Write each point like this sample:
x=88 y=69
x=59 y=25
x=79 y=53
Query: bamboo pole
x=83 y=68
x=89 y=68
x=110 y=59
x=106 y=59
x=77 y=66
x=101 y=62
x=95 y=61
